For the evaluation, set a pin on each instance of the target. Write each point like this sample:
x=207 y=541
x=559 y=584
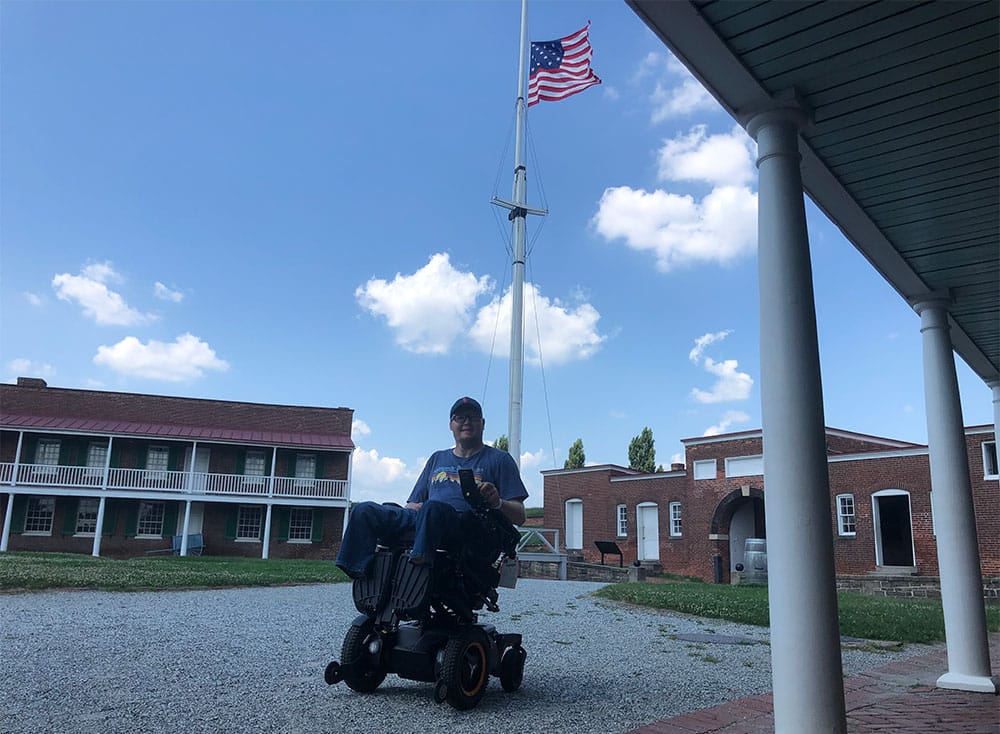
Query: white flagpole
x=518 y=214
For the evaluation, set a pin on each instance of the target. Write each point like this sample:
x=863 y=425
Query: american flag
x=561 y=68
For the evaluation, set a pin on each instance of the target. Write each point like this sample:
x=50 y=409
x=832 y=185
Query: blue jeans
x=436 y=525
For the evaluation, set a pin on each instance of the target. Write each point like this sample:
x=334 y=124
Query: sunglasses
x=460 y=419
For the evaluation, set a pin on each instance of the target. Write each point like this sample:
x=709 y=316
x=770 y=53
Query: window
x=150 y=520
x=38 y=516
x=255 y=464
x=47 y=452
x=157 y=458
x=675 y=519
x=846 y=524
x=990 y=460
x=305 y=466
x=86 y=516
x=97 y=455
x=705 y=469
x=300 y=523
x=249 y=521
x=622 y=513
x=745 y=466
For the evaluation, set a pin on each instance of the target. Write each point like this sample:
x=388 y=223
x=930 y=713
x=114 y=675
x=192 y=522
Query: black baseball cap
x=466 y=405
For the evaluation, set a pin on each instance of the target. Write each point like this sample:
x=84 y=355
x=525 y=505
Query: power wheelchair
x=420 y=622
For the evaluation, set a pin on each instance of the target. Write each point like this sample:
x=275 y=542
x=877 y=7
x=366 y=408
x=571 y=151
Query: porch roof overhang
x=902 y=149
x=68 y=424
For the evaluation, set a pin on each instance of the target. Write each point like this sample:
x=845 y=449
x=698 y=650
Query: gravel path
x=252 y=660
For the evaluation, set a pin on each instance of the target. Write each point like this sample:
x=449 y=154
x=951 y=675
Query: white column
x=95 y=550
x=954 y=515
x=5 y=537
x=267 y=531
x=805 y=635
x=187 y=519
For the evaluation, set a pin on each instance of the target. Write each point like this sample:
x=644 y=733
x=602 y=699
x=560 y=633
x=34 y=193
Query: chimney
x=31 y=382
x=676 y=467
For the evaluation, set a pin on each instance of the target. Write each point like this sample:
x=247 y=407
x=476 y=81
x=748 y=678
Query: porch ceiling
x=902 y=154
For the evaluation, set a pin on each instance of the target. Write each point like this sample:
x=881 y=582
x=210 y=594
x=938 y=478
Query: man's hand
x=491 y=495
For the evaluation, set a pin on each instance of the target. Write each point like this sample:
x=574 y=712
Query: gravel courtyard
x=252 y=660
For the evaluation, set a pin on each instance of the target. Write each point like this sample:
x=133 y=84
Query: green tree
x=502 y=443
x=641 y=454
x=576 y=457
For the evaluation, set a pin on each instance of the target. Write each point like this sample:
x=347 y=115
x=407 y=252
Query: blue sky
x=289 y=203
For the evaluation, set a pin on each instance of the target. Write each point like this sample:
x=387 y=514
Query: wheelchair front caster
x=441 y=692
x=512 y=668
x=465 y=669
x=361 y=667
x=333 y=674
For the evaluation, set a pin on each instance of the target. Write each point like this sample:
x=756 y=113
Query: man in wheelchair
x=422 y=571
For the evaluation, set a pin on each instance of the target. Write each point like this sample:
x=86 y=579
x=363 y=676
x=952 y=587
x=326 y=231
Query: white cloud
x=721 y=160
x=731 y=384
x=378 y=478
x=186 y=358
x=427 y=310
x=22 y=367
x=359 y=428
x=686 y=98
x=89 y=290
x=728 y=419
x=33 y=298
x=166 y=294
x=678 y=230
x=703 y=341
x=566 y=333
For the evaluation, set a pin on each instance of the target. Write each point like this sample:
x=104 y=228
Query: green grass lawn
x=36 y=571
x=861 y=615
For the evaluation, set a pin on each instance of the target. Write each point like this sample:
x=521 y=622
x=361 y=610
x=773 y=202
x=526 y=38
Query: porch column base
x=974 y=683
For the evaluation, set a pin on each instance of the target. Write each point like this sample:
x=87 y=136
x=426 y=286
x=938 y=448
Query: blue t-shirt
x=439 y=479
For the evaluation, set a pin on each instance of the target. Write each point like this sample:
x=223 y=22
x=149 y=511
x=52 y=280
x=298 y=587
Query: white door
x=574 y=524
x=648 y=523
x=202 y=458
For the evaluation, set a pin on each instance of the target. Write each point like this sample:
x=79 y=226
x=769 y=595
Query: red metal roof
x=200 y=433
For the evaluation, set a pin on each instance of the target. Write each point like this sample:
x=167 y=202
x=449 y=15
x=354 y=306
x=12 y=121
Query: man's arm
x=513 y=510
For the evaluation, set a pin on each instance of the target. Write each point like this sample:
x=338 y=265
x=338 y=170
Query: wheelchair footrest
x=411 y=589
x=371 y=592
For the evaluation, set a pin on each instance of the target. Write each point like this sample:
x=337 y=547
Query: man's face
x=467 y=427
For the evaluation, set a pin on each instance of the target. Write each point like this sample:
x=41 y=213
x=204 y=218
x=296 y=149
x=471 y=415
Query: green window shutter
x=231 y=517
x=81 y=451
x=263 y=519
x=241 y=461
x=17 y=514
x=174 y=456
x=284 y=517
x=320 y=474
x=116 y=454
x=317 y=535
x=170 y=518
x=140 y=456
x=110 y=518
x=64 y=447
x=290 y=471
x=131 y=519
x=69 y=507
x=28 y=449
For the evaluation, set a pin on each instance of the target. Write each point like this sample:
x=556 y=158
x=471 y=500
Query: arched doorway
x=739 y=515
x=893 y=528
x=574 y=524
x=648 y=531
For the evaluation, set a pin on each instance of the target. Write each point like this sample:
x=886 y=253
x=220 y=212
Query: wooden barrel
x=755 y=561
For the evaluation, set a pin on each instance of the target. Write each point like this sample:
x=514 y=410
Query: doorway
x=574 y=524
x=648 y=523
x=893 y=528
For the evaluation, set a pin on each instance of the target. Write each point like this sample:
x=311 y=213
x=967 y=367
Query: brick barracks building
x=122 y=474
x=695 y=519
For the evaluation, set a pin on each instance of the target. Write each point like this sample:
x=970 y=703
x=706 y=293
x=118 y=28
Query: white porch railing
x=46 y=475
x=536 y=546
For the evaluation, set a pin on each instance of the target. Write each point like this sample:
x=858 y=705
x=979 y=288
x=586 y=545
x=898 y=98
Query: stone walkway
x=896 y=699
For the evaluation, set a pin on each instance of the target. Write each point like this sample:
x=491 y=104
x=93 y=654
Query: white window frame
x=245 y=522
x=621 y=521
x=990 y=460
x=676 y=520
x=38 y=515
x=299 y=529
x=254 y=477
x=86 y=517
x=847 y=523
x=706 y=468
x=150 y=519
x=47 y=452
x=745 y=466
x=158 y=466
x=97 y=459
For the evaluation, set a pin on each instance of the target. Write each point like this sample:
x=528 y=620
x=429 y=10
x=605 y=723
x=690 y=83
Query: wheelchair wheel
x=512 y=668
x=465 y=669
x=361 y=670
